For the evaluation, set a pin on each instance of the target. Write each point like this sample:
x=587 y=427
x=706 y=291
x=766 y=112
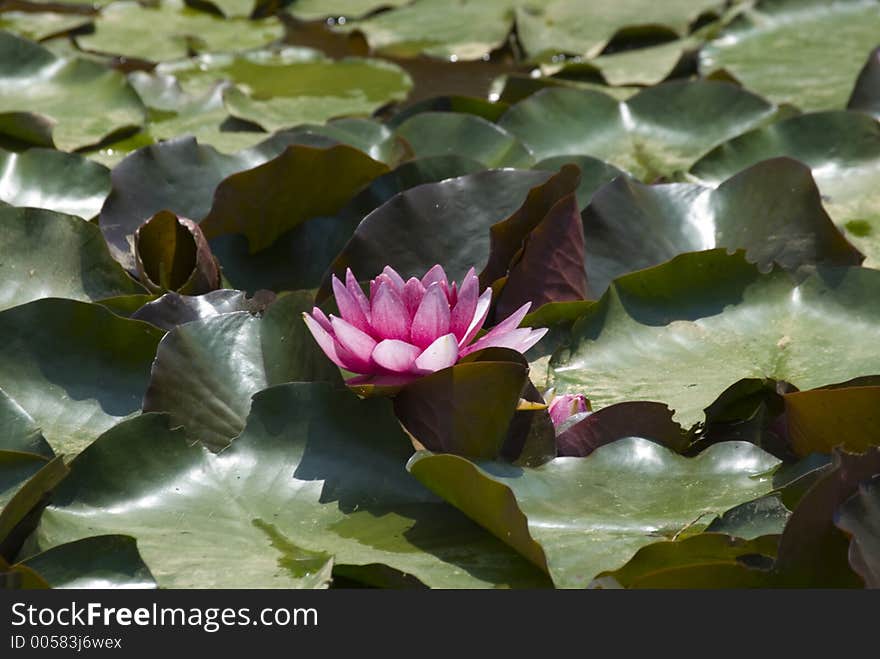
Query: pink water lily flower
x=409 y=329
x=567 y=405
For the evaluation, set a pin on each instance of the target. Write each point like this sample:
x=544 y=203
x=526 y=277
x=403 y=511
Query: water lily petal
x=566 y=405
x=390 y=317
x=518 y=339
x=480 y=313
x=413 y=292
x=325 y=341
x=442 y=353
x=463 y=312
x=396 y=356
x=393 y=275
x=511 y=322
x=435 y=275
x=318 y=315
x=349 y=307
x=351 y=283
x=432 y=317
x=358 y=344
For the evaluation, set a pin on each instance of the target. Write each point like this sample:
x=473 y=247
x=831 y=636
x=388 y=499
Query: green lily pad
x=280 y=88
x=821 y=419
x=772 y=210
x=235 y=8
x=866 y=94
x=452 y=133
x=178 y=175
x=813 y=551
x=469 y=31
x=585 y=28
x=173 y=309
x=682 y=332
x=299 y=258
x=172 y=254
x=317 y=476
x=25 y=480
x=45 y=254
x=424 y=225
x=370 y=136
x=514 y=87
x=777 y=46
x=859 y=516
x=456 y=103
x=595 y=174
x=764 y=516
x=312 y=10
x=207 y=370
x=842 y=149
x=58 y=181
x=319 y=183
x=107 y=561
x=658 y=131
x=579 y=438
x=465 y=409
x=706 y=560
x=18 y=430
x=175 y=31
x=69 y=103
x=173 y=112
x=76 y=368
x=41 y=25
x=577 y=517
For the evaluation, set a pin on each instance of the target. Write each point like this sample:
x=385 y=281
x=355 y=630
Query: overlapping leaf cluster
x=686 y=192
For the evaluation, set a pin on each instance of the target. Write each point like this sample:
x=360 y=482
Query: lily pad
x=682 y=332
x=41 y=25
x=453 y=133
x=75 y=393
x=45 y=254
x=585 y=28
x=595 y=174
x=772 y=210
x=337 y=492
x=69 y=103
x=821 y=419
x=446 y=222
x=812 y=550
x=866 y=94
x=658 y=131
x=173 y=309
x=312 y=10
x=25 y=479
x=465 y=409
x=859 y=516
x=636 y=419
x=206 y=371
x=173 y=112
x=179 y=176
x=777 y=45
x=299 y=258
x=281 y=88
x=468 y=31
x=176 y=30
x=762 y=517
x=842 y=149
x=706 y=560
x=18 y=430
x=577 y=517
x=107 y=561
x=172 y=254
x=62 y=182
x=319 y=183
